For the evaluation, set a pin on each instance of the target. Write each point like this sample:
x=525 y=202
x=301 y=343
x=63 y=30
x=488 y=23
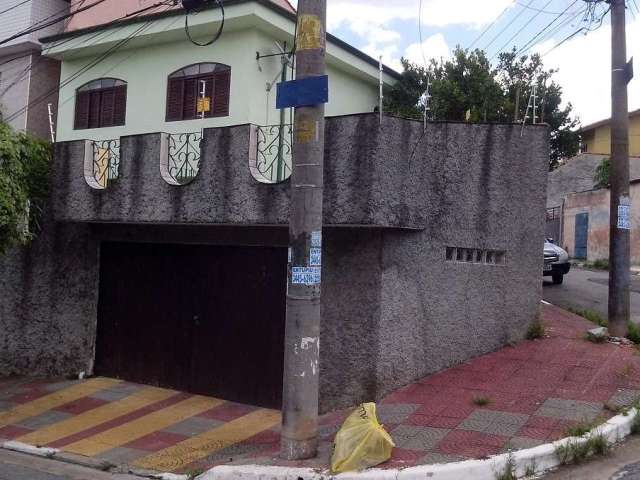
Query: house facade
x=163 y=255
x=596 y=137
x=25 y=75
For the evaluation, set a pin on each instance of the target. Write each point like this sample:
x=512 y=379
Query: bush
x=634 y=333
x=535 y=330
x=24 y=183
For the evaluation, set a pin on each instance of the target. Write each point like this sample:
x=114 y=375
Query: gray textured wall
x=393 y=308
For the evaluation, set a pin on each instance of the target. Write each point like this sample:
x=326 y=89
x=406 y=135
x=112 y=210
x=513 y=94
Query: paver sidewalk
x=535 y=391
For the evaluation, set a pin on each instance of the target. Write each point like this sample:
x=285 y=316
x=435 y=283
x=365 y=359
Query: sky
x=391 y=28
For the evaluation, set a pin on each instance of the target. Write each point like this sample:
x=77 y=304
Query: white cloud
x=434 y=47
x=585 y=70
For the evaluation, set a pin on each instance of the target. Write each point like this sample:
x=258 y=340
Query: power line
x=553 y=31
x=15 y=6
x=37 y=27
x=85 y=68
x=581 y=29
x=507 y=26
x=489 y=27
x=549 y=25
x=424 y=57
x=33 y=66
x=542 y=10
x=527 y=23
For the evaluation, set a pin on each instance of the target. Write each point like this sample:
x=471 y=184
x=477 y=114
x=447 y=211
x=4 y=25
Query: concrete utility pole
x=619 y=244
x=302 y=337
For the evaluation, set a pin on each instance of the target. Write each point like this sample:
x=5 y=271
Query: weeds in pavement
x=634 y=333
x=594 y=338
x=535 y=330
x=531 y=469
x=584 y=427
x=635 y=423
x=594 y=317
x=193 y=474
x=576 y=451
x=509 y=472
x=481 y=401
x=601 y=264
x=590 y=315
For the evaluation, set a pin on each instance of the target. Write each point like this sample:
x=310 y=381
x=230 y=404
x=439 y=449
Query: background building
x=25 y=75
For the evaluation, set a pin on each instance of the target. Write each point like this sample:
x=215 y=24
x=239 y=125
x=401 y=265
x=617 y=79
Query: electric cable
x=48 y=24
x=83 y=69
x=33 y=66
x=15 y=6
x=501 y=49
x=549 y=25
x=489 y=27
x=506 y=27
x=215 y=37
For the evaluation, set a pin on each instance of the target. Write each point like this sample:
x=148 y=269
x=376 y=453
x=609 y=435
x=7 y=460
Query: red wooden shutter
x=106 y=112
x=189 y=99
x=119 y=105
x=94 y=109
x=222 y=86
x=175 y=94
x=82 y=111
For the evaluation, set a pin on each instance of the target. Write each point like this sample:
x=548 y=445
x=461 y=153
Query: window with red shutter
x=101 y=103
x=184 y=88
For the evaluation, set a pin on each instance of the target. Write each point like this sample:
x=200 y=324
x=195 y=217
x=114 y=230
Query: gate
x=581 y=236
x=203 y=319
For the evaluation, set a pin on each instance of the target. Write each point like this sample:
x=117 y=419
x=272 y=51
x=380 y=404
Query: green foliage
x=509 y=472
x=600 y=264
x=468 y=88
x=633 y=332
x=535 y=330
x=575 y=451
x=590 y=315
x=481 y=401
x=24 y=179
x=603 y=174
x=635 y=424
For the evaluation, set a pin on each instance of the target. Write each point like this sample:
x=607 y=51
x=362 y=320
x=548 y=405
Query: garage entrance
x=203 y=319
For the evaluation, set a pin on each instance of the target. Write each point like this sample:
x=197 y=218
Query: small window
x=198 y=91
x=101 y=103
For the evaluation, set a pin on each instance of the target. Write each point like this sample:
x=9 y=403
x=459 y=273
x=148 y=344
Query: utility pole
x=299 y=438
x=619 y=241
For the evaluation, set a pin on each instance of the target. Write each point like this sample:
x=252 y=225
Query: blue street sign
x=303 y=93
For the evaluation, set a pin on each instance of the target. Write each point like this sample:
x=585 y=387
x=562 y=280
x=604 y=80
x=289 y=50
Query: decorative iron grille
x=106 y=161
x=273 y=159
x=553 y=213
x=183 y=159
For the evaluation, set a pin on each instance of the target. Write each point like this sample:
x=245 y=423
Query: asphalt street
x=588 y=289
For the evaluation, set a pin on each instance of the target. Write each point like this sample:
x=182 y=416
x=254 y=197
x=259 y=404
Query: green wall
x=146 y=69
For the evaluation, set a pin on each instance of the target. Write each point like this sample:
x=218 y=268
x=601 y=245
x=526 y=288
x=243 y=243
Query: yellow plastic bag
x=361 y=442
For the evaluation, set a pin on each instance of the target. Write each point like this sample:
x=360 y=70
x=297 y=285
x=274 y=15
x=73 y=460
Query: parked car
x=556 y=262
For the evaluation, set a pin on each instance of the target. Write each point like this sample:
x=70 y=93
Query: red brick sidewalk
x=535 y=391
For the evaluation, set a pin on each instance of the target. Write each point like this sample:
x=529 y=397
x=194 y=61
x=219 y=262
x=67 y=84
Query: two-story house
x=163 y=257
x=25 y=75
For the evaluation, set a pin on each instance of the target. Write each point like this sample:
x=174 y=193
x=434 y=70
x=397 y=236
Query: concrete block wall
x=396 y=306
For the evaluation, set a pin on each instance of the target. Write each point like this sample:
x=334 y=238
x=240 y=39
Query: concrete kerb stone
x=97 y=464
x=543 y=458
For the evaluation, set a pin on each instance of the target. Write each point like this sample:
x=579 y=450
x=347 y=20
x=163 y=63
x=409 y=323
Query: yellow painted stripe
x=54 y=400
x=200 y=446
x=136 y=429
x=97 y=416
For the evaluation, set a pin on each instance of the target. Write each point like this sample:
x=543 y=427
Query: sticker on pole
x=624 y=220
x=316 y=239
x=315 y=257
x=305 y=275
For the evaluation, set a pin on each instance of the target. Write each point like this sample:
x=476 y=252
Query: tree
x=467 y=88
x=24 y=174
x=601 y=178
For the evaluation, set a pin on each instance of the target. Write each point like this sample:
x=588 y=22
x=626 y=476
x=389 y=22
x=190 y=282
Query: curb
x=88 y=462
x=541 y=459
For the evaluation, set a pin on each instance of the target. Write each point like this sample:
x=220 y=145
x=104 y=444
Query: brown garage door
x=204 y=319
